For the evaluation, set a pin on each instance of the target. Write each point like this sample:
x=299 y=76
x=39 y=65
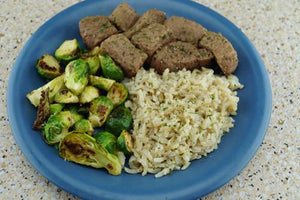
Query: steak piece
x=123 y=52
x=205 y=58
x=185 y=30
x=176 y=56
x=225 y=54
x=149 y=17
x=152 y=37
x=124 y=17
x=95 y=29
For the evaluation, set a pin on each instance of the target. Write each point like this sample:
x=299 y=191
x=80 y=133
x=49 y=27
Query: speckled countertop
x=273 y=27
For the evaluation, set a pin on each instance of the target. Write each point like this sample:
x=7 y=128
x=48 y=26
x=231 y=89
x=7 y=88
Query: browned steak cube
x=175 y=56
x=122 y=51
x=185 y=30
x=205 y=57
x=225 y=54
x=95 y=29
x=149 y=17
x=150 y=38
x=124 y=17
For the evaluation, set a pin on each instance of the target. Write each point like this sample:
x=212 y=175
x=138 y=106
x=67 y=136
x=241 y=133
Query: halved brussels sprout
x=76 y=77
x=100 y=82
x=84 y=126
x=56 y=108
x=69 y=50
x=48 y=67
x=93 y=62
x=99 y=110
x=120 y=119
x=125 y=143
x=88 y=94
x=43 y=110
x=110 y=69
x=83 y=149
x=66 y=96
x=107 y=140
x=118 y=93
x=54 y=86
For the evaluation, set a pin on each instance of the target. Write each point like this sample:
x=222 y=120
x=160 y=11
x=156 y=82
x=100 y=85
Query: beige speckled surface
x=272 y=26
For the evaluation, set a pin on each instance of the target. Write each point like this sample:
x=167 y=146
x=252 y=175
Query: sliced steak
x=185 y=30
x=152 y=37
x=122 y=51
x=206 y=58
x=223 y=51
x=124 y=17
x=95 y=29
x=149 y=17
x=175 y=56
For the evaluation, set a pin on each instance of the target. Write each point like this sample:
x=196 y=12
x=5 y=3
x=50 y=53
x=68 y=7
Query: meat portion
x=149 y=17
x=150 y=38
x=124 y=17
x=223 y=51
x=176 y=56
x=185 y=30
x=122 y=51
x=205 y=58
x=95 y=29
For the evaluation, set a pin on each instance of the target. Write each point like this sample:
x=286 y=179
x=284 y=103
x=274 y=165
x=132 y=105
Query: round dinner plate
x=204 y=175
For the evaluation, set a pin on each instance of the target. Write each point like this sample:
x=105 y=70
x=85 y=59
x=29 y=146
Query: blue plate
x=204 y=175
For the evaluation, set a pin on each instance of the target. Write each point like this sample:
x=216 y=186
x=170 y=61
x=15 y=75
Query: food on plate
x=178 y=117
x=185 y=30
x=176 y=56
x=171 y=108
x=225 y=54
x=83 y=149
x=95 y=29
x=124 y=53
x=123 y=17
x=149 y=17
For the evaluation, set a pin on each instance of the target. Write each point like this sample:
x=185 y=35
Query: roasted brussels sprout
x=118 y=93
x=84 y=126
x=56 y=108
x=95 y=51
x=48 y=67
x=100 y=108
x=101 y=83
x=83 y=149
x=54 y=86
x=74 y=112
x=124 y=142
x=57 y=127
x=66 y=96
x=43 y=110
x=120 y=119
x=76 y=77
x=110 y=69
x=107 y=140
x=88 y=94
x=93 y=62
x=67 y=51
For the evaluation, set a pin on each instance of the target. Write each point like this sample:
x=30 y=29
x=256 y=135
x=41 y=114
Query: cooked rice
x=178 y=117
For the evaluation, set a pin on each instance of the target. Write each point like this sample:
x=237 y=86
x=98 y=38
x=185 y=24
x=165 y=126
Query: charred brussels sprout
x=118 y=93
x=107 y=140
x=120 y=119
x=83 y=149
x=124 y=142
x=99 y=110
x=57 y=127
x=88 y=94
x=54 y=86
x=101 y=83
x=43 y=110
x=110 y=69
x=56 y=108
x=48 y=67
x=93 y=62
x=84 y=126
x=76 y=76
x=66 y=96
x=67 y=51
